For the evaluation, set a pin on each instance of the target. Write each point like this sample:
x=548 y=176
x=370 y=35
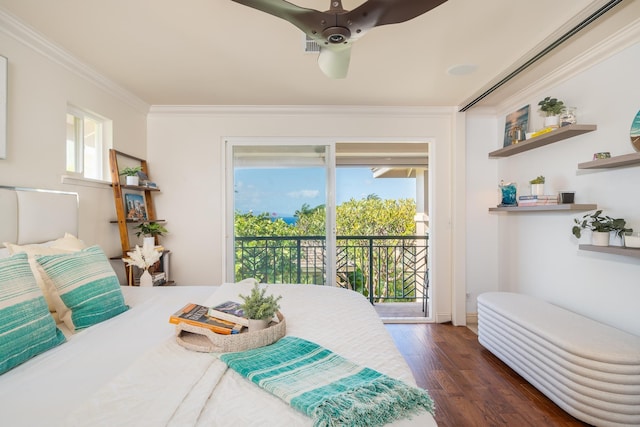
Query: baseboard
x=472 y=318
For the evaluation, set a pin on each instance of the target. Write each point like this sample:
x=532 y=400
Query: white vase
x=258 y=324
x=600 y=238
x=537 y=189
x=148 y=242
x=133 y=180
x=551 y=121
x=146 y=279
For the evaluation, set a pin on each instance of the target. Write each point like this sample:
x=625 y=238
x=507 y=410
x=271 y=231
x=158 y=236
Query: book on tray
x=197 y=315
x=231 y=311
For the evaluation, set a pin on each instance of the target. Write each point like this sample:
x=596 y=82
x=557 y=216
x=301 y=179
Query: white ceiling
x=218 y=52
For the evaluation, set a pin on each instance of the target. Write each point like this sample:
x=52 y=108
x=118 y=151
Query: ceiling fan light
x=336 y=35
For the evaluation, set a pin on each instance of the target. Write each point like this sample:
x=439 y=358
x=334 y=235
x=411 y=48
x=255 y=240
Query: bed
x=129 y=369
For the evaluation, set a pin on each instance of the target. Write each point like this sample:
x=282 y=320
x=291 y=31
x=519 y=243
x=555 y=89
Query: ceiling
x=218 y=52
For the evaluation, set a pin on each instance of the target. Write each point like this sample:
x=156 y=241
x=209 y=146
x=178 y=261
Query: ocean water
x=291 y=220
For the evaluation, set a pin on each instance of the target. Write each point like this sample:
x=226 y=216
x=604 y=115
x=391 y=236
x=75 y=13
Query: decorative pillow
x=26 y=327
x=68 y=243
x=86 y=290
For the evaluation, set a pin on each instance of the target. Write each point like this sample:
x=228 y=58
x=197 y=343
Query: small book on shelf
x=197 y=315
x=231 y=311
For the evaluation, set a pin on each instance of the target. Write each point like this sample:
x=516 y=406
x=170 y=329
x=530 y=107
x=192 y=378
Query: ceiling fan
x=336 y=29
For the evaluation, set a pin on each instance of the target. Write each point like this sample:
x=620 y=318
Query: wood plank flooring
x=469 y=385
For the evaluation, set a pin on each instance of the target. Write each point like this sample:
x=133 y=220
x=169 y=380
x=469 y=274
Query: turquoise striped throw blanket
x=327 y=387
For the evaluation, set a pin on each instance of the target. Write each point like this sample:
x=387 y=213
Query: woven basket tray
x=206 y=341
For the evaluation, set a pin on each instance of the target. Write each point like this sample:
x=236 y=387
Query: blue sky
x=284 y=190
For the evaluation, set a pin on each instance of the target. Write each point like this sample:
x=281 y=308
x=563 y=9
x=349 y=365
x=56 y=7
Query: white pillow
x=64 y=245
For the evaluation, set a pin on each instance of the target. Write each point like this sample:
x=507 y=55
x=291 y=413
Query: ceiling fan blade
x=374 y=13
x=334 y=62
x=299 y=16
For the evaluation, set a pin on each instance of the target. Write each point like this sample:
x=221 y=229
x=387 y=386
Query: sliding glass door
x=281 y=203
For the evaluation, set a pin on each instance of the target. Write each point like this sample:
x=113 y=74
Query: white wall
x=185 y=152
x=536 y=253
x=39 y=88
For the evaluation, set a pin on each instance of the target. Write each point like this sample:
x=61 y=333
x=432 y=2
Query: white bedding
x=90 y=380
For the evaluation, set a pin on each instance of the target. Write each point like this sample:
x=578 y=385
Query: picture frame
x=135 y=207
x=516 y=126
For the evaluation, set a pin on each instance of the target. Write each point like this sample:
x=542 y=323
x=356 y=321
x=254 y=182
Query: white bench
x=589 y=369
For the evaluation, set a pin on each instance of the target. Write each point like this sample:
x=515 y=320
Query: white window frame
x=103 y=143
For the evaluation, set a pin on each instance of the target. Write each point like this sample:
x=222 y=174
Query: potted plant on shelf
x=149 y=230
x=131 y=174
x=551 y=107
x=259 y=308
x=601 y=227
x=537 y=186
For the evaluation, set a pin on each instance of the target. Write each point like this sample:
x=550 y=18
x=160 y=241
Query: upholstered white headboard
x=36 y=216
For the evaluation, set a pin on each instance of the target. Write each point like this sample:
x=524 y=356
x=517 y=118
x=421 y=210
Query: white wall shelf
x=559 y=134
x=616 y=250
x=612 y=162
x=550 y=208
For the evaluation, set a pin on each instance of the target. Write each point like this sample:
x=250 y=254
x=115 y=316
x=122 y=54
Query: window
x=88 y=141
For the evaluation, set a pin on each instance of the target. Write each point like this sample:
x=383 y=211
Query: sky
x=282 y=191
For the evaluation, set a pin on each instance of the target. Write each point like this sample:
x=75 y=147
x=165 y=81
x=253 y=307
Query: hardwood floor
x=469 y=385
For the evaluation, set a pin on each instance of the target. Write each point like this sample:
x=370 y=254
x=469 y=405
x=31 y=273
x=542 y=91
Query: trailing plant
x=551 y=106
x=259 y=306
x=538 y=180
x=131 y=171
x=601 y=223
x=150 y=229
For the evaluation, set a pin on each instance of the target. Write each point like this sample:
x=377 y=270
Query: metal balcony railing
x=383 y=268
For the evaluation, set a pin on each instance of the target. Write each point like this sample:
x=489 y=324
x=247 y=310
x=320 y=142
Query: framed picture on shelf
x=516 y=126
x=135 y=207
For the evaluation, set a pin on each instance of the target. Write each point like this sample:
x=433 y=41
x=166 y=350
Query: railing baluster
x=396 y=266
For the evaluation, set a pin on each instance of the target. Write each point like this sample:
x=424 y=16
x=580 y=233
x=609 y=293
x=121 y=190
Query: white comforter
x=130 y=371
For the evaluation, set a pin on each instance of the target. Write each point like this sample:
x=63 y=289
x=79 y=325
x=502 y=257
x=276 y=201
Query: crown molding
x=621 y=40
x=16 y=29
x=301 y=110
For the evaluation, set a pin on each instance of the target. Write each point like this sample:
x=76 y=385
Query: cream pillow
x=64 y=245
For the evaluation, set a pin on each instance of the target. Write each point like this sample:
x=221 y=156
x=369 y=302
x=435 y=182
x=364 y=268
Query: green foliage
x=538 y=180
x=250 y=225
x=150 y=229
x=551 y=106
x=376 y=217
x=259 y=306
x=598 y=222
x=131 y=171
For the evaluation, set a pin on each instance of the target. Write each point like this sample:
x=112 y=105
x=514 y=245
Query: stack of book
x=198 y=315
x=541 y=200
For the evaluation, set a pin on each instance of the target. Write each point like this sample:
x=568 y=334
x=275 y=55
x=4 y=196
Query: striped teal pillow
x=87 y=286
x=26 y=326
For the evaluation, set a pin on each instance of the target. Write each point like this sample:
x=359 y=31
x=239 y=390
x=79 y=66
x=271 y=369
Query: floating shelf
x=616 y=250
x=612 y=162
x=559 y=134
x=555 y=208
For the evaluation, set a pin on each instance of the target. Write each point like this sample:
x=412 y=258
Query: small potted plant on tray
x=551 y=107
x=131 y=174
x=259 y=308
x=601 y=227
x=149 y=230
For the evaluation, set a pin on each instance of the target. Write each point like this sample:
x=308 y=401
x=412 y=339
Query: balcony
x=391 y=271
